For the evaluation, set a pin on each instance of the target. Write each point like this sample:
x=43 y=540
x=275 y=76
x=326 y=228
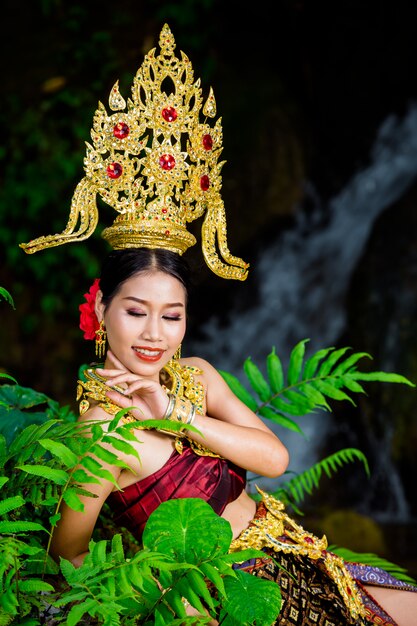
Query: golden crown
x=157 y=165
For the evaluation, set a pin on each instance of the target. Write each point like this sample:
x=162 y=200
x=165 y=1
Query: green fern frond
x=58 y=476
x=239 y=390
x=7 y=296
x=34 y=585
x=60 y=451
x=308 y=385
x=305 y=483
x=10 y=504
x=368 y=558
x=19 y=527
x=8 y=377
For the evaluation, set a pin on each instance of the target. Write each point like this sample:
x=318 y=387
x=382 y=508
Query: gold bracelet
x=191 y=415
x=170 y=407
x=182 y=409
x=179 y=409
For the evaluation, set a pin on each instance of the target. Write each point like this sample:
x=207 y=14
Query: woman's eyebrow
x=146 y=301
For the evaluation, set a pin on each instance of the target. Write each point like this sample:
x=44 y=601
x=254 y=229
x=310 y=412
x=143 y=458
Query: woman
x=142 y=306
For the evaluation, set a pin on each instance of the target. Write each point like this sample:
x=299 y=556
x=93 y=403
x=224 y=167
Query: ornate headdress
x=157 y=165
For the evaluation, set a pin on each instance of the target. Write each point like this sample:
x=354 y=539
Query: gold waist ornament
x=278 y=531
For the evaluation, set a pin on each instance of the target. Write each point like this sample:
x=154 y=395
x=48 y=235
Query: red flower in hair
x=88 y=318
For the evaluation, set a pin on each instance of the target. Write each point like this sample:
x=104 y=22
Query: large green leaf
x=251 y=600
x=19 y=397
x=187 y=529
x=12 y=421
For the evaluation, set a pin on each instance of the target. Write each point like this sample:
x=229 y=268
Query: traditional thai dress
x=318 y=587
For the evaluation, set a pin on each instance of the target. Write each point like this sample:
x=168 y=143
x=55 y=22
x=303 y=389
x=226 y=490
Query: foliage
x=368 y=558
x=175 y=563
x=185 y=545
x=47 y=458
x=6 y=296
x=307 y=386
x=20 y=406
x=294 y=491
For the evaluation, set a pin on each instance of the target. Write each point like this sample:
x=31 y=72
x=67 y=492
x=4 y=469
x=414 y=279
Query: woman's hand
x=147 y=396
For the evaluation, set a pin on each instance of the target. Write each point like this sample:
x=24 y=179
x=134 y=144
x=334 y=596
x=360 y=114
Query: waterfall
x=304 y=275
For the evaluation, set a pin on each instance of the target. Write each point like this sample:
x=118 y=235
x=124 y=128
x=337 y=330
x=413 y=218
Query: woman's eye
x=136 y=313
x=172 y=318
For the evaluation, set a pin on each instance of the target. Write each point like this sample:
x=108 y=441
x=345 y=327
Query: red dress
x=185 y=475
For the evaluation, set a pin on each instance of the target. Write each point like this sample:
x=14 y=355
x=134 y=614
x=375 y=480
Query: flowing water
x=304 y=275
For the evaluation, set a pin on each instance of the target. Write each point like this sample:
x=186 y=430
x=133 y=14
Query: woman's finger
x=125 y=403
x=123 y=378
x=144 y=386
x=108 y=373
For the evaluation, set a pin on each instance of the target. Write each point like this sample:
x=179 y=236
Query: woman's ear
x=99 y=306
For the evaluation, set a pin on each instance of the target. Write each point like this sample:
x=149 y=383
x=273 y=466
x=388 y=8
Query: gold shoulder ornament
x=177 y=379
x=157 y=165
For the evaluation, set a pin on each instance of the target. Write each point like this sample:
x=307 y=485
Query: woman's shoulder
x=95 y=413
x=207 y=372
x=198 y=363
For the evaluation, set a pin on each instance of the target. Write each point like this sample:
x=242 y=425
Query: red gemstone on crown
x=208 y=142
x=164 y=210
x=204 y=182
x=114 y=170
x=167 y=233
x=167 y=162
x=308 y=540
x=121 y=130
x=169 y=114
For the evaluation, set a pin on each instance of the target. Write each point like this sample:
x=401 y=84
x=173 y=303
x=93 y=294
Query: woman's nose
x=152 y=330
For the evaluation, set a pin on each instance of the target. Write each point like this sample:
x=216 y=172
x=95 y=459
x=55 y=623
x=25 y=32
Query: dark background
x=302 y=88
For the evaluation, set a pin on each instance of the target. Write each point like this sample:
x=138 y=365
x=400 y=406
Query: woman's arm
x=229 y=428
x=73 y=532
x=236 y=432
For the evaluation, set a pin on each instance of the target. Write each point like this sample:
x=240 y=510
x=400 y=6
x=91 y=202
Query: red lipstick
x=149 y=355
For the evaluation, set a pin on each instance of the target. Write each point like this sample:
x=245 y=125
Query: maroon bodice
x=186 y=475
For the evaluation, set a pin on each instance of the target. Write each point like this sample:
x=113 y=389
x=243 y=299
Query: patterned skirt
x=312 y=597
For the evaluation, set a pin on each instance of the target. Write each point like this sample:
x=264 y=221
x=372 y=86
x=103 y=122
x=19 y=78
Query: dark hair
x=120 y=265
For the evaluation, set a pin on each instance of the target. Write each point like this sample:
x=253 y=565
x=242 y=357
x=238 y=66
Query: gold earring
x=177 y=354
x=101 y=336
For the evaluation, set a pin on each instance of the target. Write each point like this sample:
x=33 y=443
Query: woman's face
x=145 y=321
